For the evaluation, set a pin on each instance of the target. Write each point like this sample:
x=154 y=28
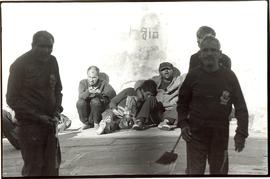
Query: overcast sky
x=99 y=34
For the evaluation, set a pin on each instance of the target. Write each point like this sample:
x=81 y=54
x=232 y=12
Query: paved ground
x=134 y=153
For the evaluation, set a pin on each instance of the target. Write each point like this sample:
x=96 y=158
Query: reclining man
x=94 y=97
x=10 y=126
x=135 y=108
x=168 y=86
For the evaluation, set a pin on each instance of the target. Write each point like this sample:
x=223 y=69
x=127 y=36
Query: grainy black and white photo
x=144 y=89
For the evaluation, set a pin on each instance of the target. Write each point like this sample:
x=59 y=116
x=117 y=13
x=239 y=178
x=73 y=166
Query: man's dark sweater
x=34 y=88
x=106 y=90
x=195 y=61
x=206 y=99
x=120 y=99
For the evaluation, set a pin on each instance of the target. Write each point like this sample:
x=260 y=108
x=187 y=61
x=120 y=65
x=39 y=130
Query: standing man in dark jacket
x=203 y=31
x=34 y=93
x=94 y=97
x=204 y=106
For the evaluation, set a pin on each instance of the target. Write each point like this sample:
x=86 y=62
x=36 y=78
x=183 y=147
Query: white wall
x=98 y=34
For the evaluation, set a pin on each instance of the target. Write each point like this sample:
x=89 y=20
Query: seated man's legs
x=97 y=107
x=9 y=129
x=169 y=119
x=83 y=108
x=109 y=122
x=148 y=113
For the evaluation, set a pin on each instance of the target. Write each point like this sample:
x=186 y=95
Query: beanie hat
x=150 y=86
x=165 y=65
x=138 y=84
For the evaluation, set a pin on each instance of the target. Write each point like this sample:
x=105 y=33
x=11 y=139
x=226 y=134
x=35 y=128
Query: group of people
x=199 y=103
x=149 y=103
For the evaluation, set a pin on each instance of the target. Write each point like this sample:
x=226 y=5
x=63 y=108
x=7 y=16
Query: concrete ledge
x=129 y=153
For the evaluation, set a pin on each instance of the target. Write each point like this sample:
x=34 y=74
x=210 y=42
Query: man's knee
x=81 y=103
x=6 y=115
x=95 y=102
x=152 y=101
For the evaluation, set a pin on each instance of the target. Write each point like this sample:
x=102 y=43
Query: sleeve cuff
x=182 y=124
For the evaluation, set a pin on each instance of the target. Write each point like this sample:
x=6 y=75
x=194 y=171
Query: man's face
x=209 y=54
x=43 y=47
x=92 y=77
x=200 y=39
x=166 y=73
x=147 y=94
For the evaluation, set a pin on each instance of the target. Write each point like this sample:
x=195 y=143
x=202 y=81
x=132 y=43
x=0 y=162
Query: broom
x=169 y=157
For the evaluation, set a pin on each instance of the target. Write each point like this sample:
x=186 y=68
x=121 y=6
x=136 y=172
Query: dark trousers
x=208 y=143
x=149 y=111
x=90 y=110
x=40 y=150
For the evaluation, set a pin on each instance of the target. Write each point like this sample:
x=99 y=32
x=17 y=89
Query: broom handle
x=175 y=145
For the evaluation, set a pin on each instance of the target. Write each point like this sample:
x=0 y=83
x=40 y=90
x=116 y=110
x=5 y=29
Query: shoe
x=164 y=122
x=164 y=125
x=67 y=124
x=101 y=128
x=138 y=126
x=61 y=127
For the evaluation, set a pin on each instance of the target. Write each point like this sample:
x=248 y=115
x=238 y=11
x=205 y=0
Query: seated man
x=122 y=110
x=167 y=93
x=133 y=107
x=94 y=97
x=203 y=31
x=9 y=127
x=148 y=111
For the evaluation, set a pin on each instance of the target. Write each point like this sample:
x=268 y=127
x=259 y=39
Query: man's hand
x=91 y=90
x=97 y=91
x=94 y=90
x=239 y=142
x=55 y=119
x=44 y=119
x=186 y=134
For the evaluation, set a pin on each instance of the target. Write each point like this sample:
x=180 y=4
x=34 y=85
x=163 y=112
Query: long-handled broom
x=169 y=157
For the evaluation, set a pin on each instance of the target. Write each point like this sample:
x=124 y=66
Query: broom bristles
x=167 y=158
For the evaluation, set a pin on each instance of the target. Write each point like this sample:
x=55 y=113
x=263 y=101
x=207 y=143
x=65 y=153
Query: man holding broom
x=205 y=103
x=34 y=93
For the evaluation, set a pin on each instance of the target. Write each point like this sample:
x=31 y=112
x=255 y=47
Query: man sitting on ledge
x=94 y=97
x=135 y=108
x=168 y=84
